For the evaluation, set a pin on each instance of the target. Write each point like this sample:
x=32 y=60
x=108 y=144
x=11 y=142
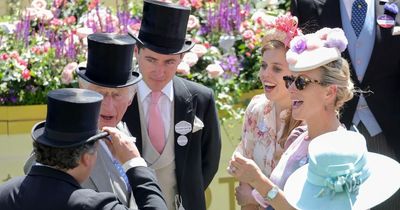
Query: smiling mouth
x=269 y=86
x=296 y=104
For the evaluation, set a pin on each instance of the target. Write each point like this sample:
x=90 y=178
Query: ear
x=136 y=51
x=331 y=92
x=87 y=159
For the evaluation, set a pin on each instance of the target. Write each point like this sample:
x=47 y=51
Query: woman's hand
x=244 y=169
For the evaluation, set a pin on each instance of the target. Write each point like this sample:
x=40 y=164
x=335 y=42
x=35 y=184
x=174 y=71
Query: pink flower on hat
x=283 y=28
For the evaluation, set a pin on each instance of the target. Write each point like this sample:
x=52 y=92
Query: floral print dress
x=260 y=135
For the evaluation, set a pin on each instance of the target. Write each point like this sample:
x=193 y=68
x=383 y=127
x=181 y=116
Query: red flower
x=26 y=74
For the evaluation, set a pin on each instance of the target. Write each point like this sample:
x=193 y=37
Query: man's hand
x=243 y=195
x=122 y=146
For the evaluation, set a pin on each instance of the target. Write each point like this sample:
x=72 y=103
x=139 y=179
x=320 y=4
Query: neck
x=322 y=124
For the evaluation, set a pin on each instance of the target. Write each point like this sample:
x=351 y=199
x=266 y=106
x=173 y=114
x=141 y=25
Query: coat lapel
x=184 y=111
x=132 y=120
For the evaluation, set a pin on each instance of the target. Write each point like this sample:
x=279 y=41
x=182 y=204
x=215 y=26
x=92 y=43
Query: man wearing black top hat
x=178 y=132
x=109 y=72
x=65 y=145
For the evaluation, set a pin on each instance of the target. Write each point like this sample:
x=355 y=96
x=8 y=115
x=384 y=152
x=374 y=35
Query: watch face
x=272 y=193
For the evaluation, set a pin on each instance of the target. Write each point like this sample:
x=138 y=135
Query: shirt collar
x=144 y=90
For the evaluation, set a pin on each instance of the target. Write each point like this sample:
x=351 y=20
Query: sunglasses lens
x=300 y=83
x=288 y=80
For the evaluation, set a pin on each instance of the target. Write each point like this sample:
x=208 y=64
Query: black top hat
x=163 y=28
x=72 y=116
x=109 y=62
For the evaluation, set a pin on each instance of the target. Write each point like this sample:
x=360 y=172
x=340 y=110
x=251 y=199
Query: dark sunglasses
x=300 y=81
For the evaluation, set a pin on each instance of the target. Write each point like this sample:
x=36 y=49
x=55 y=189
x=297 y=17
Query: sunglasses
x=300 y=81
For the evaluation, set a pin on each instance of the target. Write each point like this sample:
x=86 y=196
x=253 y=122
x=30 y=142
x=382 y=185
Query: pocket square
x=197 y=124
x=396 y=31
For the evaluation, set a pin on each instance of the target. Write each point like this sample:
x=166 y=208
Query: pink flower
x=70 y=20
x=39 y=4
x=56 y=22
x=196 y=4
x=193 y=23
x=14 y=55
x=184 y=3
x=4 y=56
x=190 y=58
x=26 y=74
x=199 y=49
x=214 y=70
x=67 y=73
x=183 y=68
x=248 y=34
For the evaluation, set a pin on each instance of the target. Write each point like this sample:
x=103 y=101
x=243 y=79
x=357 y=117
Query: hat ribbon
x=340 y=178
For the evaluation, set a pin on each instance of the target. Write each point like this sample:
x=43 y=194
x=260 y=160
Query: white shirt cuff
x=134 y=162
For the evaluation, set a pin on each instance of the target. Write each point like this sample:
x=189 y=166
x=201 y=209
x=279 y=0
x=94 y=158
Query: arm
x=144 y=184
x=210 y=142
x=145 y=189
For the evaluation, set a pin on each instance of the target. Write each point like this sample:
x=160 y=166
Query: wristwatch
x=272 y=193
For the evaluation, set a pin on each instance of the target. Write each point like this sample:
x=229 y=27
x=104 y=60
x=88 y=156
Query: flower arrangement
x=42 y=45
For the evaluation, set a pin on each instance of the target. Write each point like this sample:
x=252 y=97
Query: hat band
x=173 y=44
x=339 y=178
x=67 y=136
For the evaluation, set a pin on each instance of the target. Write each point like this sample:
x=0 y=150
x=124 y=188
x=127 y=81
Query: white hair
x=84 y=84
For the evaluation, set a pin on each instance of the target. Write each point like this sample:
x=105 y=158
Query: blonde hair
x=338 y=73
x=290 y=122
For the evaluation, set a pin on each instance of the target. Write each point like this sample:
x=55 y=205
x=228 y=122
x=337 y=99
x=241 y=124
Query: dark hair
x=61 y=158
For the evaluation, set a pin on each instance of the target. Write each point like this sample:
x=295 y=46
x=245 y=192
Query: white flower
x=190 y=58
x=214 y=70
x=39 y=4
x=226 y=42
x=193 y=23
x=199 y=49
x=183 y=68
x=83 y=32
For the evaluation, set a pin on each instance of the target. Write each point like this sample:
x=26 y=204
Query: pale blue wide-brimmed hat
x=342 y=174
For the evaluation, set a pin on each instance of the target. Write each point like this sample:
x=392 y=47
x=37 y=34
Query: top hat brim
x=38 y=131
x=136 y=77
x=187 y=45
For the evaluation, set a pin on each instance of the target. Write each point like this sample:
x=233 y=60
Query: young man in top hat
x=65 y=145
x=178 y=132
x=109 y=72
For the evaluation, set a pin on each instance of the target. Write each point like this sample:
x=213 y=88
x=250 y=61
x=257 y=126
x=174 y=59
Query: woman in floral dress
x=267 y=121
x=319 y=87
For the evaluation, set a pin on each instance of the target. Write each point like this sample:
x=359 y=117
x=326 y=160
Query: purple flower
x=298 y=45
x=13 y=99
x=392 y=8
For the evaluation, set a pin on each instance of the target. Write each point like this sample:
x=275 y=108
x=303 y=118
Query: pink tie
x=155 y=127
